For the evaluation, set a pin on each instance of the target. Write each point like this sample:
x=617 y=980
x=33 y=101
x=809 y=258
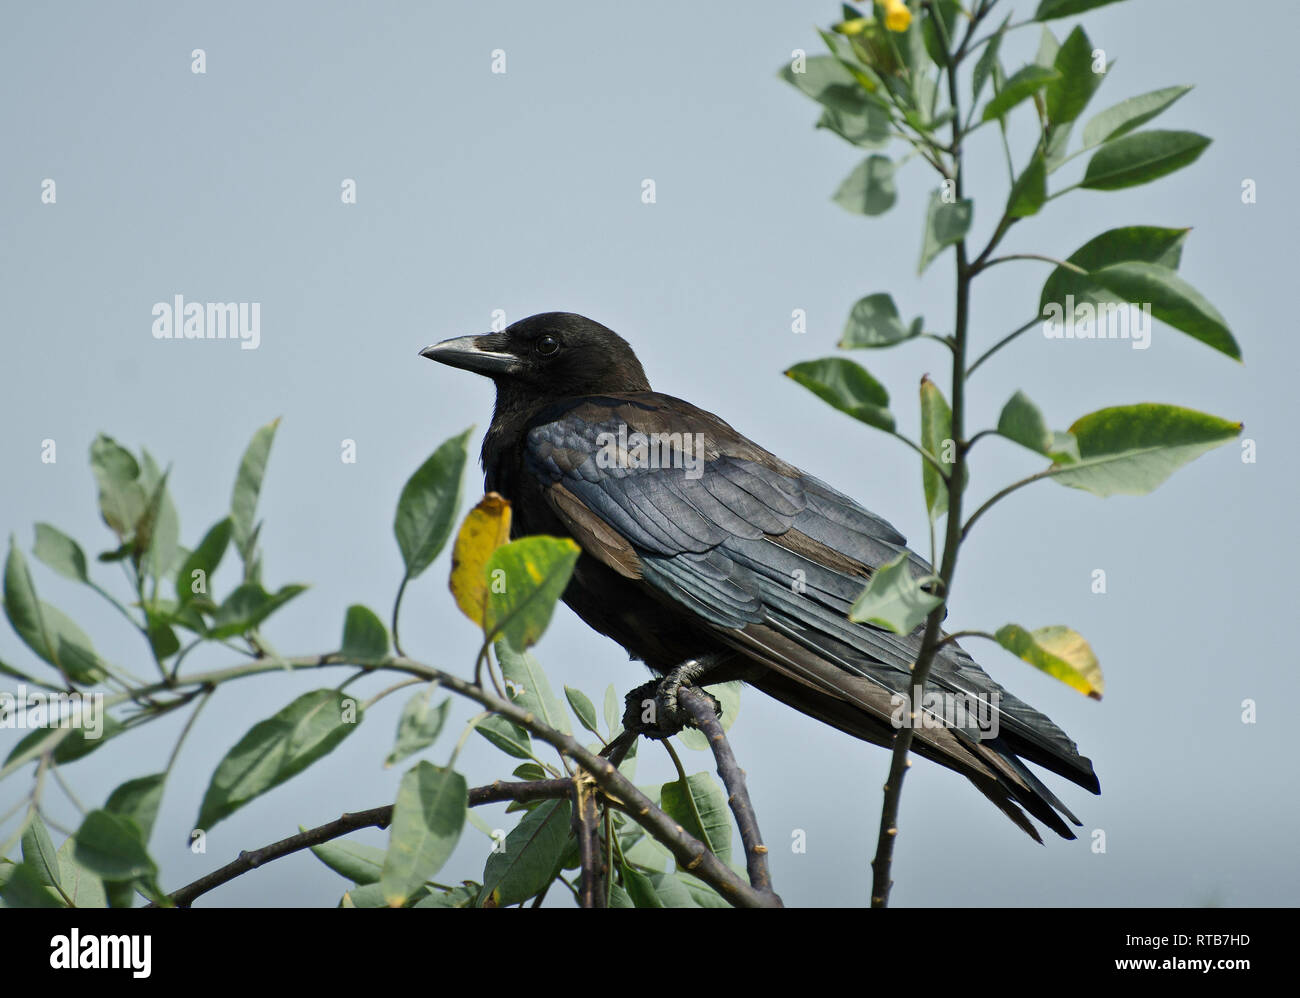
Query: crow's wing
x=772 y=559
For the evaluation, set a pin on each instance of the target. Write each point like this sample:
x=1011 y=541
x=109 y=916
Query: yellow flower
x=853 y=27
x=897 y=16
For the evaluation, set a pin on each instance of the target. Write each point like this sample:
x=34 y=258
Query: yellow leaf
x=486 y=528
x=1058 y=651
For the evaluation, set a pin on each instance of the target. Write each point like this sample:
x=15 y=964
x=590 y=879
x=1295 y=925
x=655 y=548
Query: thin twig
x=1000 y=344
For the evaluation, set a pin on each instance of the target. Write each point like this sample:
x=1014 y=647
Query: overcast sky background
x=521 y=192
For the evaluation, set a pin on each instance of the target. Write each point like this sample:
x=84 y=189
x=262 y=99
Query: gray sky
x=521 y=192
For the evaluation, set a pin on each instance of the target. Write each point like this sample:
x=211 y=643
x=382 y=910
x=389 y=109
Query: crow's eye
x=547 y=345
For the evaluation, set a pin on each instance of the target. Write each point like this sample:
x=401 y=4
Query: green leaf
x=640 y=888
x=276 y=749
x=1021 y=422
x=894 y=599
x=365 y=639
x=248 y=606
x=83 y=888
x=1058 y=651
x=139 y=800
x=1048 y=47
x=948 y=11
x=248 y=484
x=463 y=896
x=583 y=709
x=945 y=224
x=111 y=846
x=509 y=737
x=987 y=60
x=526 y=579
x=613 y=711
x=22 y=887
x=1065 y=448
x=1067 y=96
x=1050 y=9
x=428 y=817
x=936 y=430
x=873 y=322
x=700 y=807
x=1128 y=115
x=157 y=540
x=531 y=691
x=372 y=896
x=359 y=863
x=72 y=743
x=1160 y=246
x=1030 y=189
x=122 y=499
x=868 y=130
x=530 y=857
x=1140 y=158
x=1020 y=86
x=38 y=852
x=827 y=81
x=60 y=552
x=848 y=387
x=205 y=558
x=700 y=893
x=1172 y=300
x=1132 y=449
x=44 y=629
x=728 y=695
x=869 y=189
x=426 y=510
x=162 y=639
x=419 y=726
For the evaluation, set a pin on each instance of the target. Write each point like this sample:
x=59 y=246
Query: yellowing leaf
x=486 y=528
x=1058 y=651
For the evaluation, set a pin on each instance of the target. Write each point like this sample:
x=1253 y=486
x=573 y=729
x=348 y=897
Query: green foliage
x=894 y=599
x=426 y=510
x=848 y=387
x=428 y=817
x=365 y=639
x=532 y=573
x=276 y=749
x=874 y=322
x=903 y=77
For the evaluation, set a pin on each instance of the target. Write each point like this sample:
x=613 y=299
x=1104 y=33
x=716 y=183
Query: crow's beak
x=472 y=353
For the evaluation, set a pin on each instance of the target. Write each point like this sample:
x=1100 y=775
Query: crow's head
x=548 y=356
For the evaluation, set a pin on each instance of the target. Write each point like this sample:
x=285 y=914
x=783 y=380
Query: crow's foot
x=652 y=709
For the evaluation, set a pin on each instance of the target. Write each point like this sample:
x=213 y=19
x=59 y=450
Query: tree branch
x=377 y=817
x=690 y=853
x=733 y=778
x=586 y=826
x=888 y=832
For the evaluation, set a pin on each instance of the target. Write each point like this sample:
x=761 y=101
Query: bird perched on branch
x=711 y=559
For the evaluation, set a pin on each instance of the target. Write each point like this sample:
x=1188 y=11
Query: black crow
x=710 y=559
